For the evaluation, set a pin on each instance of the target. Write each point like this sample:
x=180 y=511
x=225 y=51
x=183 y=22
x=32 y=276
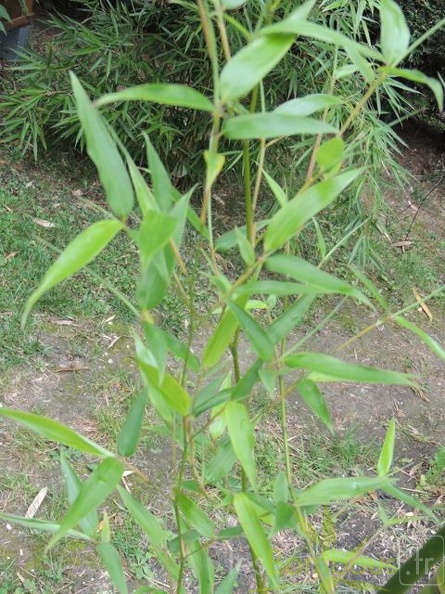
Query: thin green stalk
x=247 y=189
x=361 y=104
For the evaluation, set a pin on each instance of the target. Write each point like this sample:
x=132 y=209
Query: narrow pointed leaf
x=329 y=156
x=73 y=484
x=418 y=77
x=227 y=585
x=144 y=195
x=257 y=336
x=251 y=64
x=408 y=499
x=291 y=217
x=162 y=188
x=202 y=567
x=247 y=513
x=305 y=106
x=195 y=516
x=101 y=483
x=288 y=320
x=273 y=125
x=344 y=557
x=428 y=340
x=346 y=372
x=42 y=525
x=154 y=233
x=220 y=339
x=174 y=395
x=214 y=165
x=314 y=399
x=82 y=250
x=394 y=32
x=221 y=464
x=277 y=190
x=55 y=431
x=113 y=564
x=242 y=438
x=103 y=152
x=329 y=491
x=172 y=94
x=128 y=438
x=153 y=529
x=387 y=453
x=304 y=272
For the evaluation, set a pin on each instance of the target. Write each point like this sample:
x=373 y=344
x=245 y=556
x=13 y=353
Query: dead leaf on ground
x=8 y=257
x=68 y=368
x=422 y=304
x=63 y=322
x=44 y=223
x=29 y=185
x=77 y=193
x=36 y=503
x=402 y=244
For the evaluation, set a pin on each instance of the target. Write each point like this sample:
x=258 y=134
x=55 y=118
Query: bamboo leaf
x=242 y=438
x=101 y=483
x=251 y=64
x=304 y=272
x=174 y=395
x=103 y=152
x=387 y=453
x=227 y=585
x=394 y=32
x=344 y=557
x=337 y=370
x=73 y=484
x=428 y=340
x=154 y=233
x=130 y=432
x=166 y=94
x=113 y=564
x=273 y=125
x=314 y=399
x=418 y=77
x=42 y=525
x=82 y=250
x=55 y=431
x=220 y=339
x=329 y=491
x=195 y=516
x=247 y=513
x=257 y=336
x=305 y=106
x=290 y=218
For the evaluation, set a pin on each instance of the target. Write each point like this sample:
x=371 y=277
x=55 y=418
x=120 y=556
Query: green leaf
x=130 y=432
x=220 y=339
x=251 y=64
x=277 y=190
x=387 y=453
x=248 y=516
x=227 y=585
x=291 y=317
x=101 y=483
x=272 y=125
x=214 y=165
x=202 y=567
x=305 y=106
x=290 y=218
x=329 y=156
x=428 y=340
x=144 y=194
x=221 y=464
x=329 y=491
x=195 y=516
x=242 y=438
x=55 y=431
x=178 y=95
x=42 y=525
x=394 y=32
x=408 y=499
x=304 y=272
x=162 y=188
x=174 y=395
x=337 y=370
x=418 y=77
x=245 y=247
x=322 y=33
x=257 y=336
x=103 y=152
x=314 y=399
x=113 y=564
x=73 y=484
x=344 y=557
x=228 y=240
x=155 y=232
x=84 y=248
x=280 y=488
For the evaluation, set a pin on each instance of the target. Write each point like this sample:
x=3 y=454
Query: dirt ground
x=67 y=383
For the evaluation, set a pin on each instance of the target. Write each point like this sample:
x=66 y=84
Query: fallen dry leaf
x=77 y=193
x=422 y=304
x=402 y=244
x=63 y=322
x=29 y=185
x=8 y=257
x=36 y=503
x=43 y=223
